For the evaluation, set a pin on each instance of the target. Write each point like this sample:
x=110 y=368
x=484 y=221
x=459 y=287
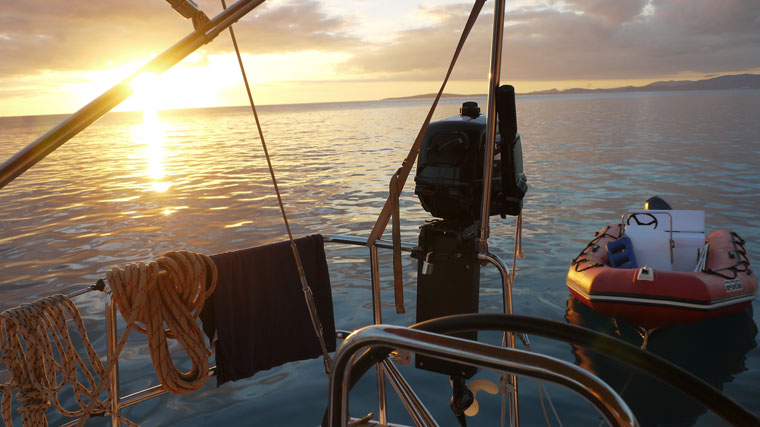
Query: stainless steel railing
x=600 y=395
x=377 y=315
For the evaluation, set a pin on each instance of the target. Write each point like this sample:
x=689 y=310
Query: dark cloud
x=77 y=34
x=424 y=53
x=574 y=40
x=708 y=17
x=38 y=35
x=586 y=39
x=294 y=26
x=612 y=12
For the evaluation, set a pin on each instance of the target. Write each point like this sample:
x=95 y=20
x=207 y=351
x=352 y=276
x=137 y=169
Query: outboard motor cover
x=514 y=181
x=449 y=178
x=657 y=203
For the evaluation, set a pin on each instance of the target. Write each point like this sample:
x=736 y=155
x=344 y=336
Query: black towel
x=259 y=312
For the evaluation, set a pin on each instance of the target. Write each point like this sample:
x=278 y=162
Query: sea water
x=135 y=185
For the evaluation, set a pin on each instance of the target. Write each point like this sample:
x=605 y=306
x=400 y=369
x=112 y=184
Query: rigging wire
x=304 y=284
x=406 y=166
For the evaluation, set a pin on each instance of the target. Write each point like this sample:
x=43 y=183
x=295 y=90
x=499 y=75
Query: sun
x=147 y=92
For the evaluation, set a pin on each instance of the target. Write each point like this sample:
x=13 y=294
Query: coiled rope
x=170 y=291
x=162 y=299
x=37 y=349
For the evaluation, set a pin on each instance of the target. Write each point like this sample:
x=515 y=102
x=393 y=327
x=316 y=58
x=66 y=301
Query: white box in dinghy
x=650 y=234
x=651 y=247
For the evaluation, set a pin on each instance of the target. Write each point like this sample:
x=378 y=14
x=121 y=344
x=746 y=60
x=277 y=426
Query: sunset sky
x=56 y=55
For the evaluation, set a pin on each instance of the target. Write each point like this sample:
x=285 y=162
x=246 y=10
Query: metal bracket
x=427 y=265
x=645 y=273
x=402 y=357
x=189 y=9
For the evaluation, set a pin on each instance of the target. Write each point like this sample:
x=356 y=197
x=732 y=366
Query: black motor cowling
x=657 y=203
x=449 y=178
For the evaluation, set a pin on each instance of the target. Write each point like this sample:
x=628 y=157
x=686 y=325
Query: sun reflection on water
x=152 y=131
x=152 y=134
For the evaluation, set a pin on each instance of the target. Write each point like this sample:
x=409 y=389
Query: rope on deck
x=173 y=290
x=37 y=348
x=170 y=291
x=42 y=360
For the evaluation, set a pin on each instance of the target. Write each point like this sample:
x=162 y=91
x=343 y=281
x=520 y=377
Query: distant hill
x=730 y=82
x=432 y=95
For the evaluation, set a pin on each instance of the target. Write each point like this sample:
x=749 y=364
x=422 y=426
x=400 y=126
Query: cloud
x=291 y=27
x=424 y=53
x=707 y=17
x=38 y=35
x=612 y=12
x=584 y=39
x=544 y=40
x=77 y=34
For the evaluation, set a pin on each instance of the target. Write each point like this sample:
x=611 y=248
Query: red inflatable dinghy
x=721 y=281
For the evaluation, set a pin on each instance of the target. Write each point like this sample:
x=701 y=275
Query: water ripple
x=118 y=193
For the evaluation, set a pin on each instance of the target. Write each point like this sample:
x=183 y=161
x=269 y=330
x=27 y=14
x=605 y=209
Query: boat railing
x=117 y=401
x=506 y=286
x=386 y=369
x=427 y=340
x=599 y=394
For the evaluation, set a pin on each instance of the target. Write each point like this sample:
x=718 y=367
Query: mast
x=496 y=43
x=509 y=381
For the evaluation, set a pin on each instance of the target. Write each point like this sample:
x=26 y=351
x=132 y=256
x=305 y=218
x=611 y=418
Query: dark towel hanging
x=258 y=310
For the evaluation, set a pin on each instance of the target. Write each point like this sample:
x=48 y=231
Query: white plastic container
x=652 y=245
x=686 y=250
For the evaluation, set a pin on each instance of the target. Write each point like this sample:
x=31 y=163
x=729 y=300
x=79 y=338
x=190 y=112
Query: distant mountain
x=730 y=82
x=432 y=95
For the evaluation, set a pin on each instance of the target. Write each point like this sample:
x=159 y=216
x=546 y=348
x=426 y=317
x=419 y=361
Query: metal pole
x=414 y=406
x=377 y=314
x=111 y=345
x=377 y=318
x=498 y=31
x=508 y=339
x=98 y=107
x=496 y=46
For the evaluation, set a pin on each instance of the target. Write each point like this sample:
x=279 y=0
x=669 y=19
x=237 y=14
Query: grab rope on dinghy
x=739 y=253
x=312 y=306
x=593 y=246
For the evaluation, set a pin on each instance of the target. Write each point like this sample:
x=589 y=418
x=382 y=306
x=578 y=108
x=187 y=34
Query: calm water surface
x=132 y=187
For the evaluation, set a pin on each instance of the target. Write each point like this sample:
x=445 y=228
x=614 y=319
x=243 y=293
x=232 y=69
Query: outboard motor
x=514 y=183
x=449 y=178
x=449 y=184
x=657 y=203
